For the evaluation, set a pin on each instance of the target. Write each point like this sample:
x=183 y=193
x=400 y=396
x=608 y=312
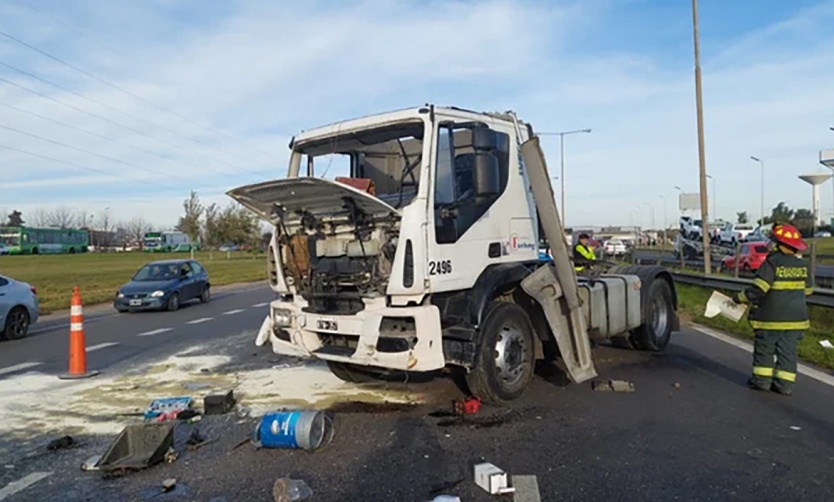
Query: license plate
x=327 y=324
x=135 y=303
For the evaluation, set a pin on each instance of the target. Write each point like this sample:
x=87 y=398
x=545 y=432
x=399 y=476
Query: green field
x=693 y=300
x=99 y=275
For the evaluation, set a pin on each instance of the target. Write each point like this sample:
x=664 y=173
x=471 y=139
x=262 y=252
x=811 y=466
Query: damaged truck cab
x=424 y=254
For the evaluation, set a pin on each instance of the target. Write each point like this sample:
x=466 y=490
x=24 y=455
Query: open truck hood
x=318 y=196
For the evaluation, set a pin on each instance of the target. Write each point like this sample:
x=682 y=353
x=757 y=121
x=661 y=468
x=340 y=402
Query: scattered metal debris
x=677 y=385
x=613 y=385
x=91 y=464
x=526 y=489
x=796 y=428
x=243 y=442
x=171 y=455
x=138 y=447
x=492 y=479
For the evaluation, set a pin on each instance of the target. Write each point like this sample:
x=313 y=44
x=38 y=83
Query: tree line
x=212 y=226
x=801 y=218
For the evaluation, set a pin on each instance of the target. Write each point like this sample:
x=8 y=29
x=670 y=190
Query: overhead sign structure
x=827 y=158
x=690 y=202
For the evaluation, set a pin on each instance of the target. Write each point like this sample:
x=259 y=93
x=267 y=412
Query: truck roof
x=393 y=117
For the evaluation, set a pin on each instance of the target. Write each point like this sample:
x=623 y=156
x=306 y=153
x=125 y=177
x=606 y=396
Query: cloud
x=242 y=77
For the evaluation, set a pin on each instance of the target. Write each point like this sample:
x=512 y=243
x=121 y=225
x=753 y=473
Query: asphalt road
x=112 y=337
x=706 y=438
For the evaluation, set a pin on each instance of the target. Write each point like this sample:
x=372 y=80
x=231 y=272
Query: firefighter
x=778 y=312
x=583 y=253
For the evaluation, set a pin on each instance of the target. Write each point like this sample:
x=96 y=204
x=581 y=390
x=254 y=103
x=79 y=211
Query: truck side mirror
x=486 y=175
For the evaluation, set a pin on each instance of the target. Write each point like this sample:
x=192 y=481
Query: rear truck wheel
x=17 y=324
x=506 y=360
x=205 y=295
x=173 y=302
x=350 y=373
x=658 y=312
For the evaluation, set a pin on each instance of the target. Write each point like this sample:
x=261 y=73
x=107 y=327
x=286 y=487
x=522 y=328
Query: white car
x=690 y=228
x=614 y=247
x=18 y=308
x=733 y=233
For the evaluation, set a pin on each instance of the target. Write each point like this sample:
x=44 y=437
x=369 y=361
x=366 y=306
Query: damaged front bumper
x=400 y=338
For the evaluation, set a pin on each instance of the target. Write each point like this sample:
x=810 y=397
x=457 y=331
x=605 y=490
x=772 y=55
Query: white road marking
x=22 y=484
x=198 y=321
x=155 y=332
x=101 y=346
x=801 y=368
x=260 y=305
x=18 y=367
x=235 y=311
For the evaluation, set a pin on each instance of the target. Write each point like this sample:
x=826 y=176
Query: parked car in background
x=733 y=233
x=18 y=308
x=690 y=228
x=164 y=285
x=614 y=247
x=751 y=257
x=715 y=230
x=823 y=233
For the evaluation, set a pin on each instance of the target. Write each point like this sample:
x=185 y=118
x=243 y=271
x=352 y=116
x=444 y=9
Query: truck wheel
x=349 y=372
x=658 y=313
x=505 y=363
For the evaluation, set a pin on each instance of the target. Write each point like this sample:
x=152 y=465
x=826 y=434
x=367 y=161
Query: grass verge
x=100 y=274
x=692 y=301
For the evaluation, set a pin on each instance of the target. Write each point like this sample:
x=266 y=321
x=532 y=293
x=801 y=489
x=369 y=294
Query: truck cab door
x=479 y=212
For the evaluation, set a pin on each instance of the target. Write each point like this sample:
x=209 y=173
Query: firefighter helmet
x=789 y=236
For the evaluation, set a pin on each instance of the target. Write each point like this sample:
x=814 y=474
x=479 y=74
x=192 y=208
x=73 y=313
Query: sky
x=127 y=106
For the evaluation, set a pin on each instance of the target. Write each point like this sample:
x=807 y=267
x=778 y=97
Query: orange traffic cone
x=77 y=348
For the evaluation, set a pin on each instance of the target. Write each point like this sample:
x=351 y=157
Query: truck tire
x=658 y=312
x=349 y=372
x=505 y=362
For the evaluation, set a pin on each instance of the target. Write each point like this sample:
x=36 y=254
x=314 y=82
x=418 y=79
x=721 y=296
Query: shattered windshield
x=384 y=161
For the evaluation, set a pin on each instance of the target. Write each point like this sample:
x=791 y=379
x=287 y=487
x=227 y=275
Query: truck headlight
x=157 y=293
x=282 y=318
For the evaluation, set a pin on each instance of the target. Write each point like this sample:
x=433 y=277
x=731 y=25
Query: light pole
x=702 y=162
x=665 y=222
x=562 y=154
x=714 y=197
x=761 y=203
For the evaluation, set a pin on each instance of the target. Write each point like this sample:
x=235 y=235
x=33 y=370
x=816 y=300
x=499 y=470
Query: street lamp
x=665 y=222
x=762 y=196
x=714 y=198
x=562 y=153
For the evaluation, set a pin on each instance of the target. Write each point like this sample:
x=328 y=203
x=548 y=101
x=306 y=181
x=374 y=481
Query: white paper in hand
x=720 y=303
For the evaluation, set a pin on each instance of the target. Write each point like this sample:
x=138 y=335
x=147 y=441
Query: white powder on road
x=33 y=402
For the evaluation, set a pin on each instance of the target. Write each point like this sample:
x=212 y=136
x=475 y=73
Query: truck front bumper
x=414 y=332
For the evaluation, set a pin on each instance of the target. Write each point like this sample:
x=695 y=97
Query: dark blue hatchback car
x=164 y=285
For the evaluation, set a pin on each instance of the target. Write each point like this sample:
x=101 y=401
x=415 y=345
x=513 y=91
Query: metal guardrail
x=820 y=297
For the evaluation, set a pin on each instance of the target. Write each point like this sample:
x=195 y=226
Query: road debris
x=467 y=407
x=526 y=489
x=796 y=428
x=292 y=429
x=218 y=404
x=677 y=385
x=91 y=464
x=169 y=484
x=613 y=385
x=826 y=344
x=446 y=498
x=290 y=490
x=167 y=408
x=138 y=447
x=492 y=479
x=61 y=443
x=171 y=455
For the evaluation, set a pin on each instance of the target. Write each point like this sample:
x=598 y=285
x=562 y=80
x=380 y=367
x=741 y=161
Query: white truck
x=426 y=256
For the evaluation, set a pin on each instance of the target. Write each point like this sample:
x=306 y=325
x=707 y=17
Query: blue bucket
x=291 y=429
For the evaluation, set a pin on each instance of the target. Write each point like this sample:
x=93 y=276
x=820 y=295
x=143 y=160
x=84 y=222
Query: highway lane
x=112 y=337
x=690 y=431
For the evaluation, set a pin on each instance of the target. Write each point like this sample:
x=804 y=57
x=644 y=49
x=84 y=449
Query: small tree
x=742 y=217
x=15 y=219
x=189 y=223
x=212 y=231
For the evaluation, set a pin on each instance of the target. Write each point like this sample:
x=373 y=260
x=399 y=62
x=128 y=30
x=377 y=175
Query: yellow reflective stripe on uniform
x=761 y=284
x=809 y=291
x=743 y=297
x=788 y=285
x=762 y=371
x=781 y=325
x=785 y=375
